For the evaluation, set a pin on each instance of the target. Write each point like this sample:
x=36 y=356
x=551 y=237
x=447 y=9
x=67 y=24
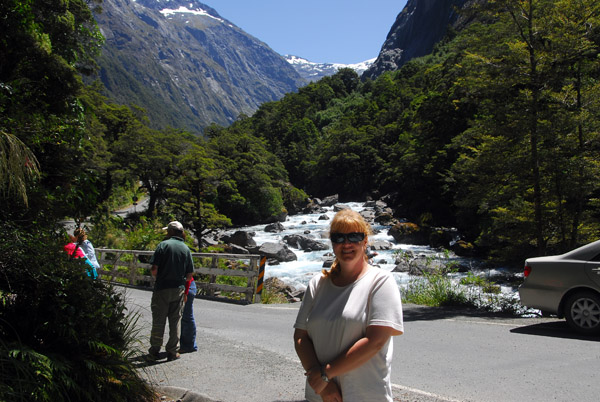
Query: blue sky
x=323 y=31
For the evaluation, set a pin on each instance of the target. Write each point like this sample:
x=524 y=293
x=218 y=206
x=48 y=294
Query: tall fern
x=63 y=336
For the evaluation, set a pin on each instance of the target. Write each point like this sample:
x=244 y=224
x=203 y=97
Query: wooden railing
x=132 y=268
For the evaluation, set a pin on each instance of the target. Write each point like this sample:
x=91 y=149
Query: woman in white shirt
x=80 y=238
x=344 y=328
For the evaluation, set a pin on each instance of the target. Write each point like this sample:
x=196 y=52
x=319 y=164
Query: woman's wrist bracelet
x=324 y=375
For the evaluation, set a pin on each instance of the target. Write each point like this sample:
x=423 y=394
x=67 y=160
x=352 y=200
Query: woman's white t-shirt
x=335 y=317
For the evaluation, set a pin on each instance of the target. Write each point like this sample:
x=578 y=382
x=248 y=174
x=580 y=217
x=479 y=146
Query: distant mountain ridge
x=312 y=71
x=420 y=25
x=188 y=67
x=185 y=64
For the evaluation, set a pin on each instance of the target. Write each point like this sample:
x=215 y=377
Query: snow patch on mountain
x=184 y=10
x=312 y=71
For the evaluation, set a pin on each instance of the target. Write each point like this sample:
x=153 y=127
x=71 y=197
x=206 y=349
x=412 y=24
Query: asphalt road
x=246 y=354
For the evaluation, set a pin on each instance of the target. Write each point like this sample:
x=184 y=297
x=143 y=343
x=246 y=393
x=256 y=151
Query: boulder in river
x=278 y=251
x=409 y=233
x=304 y=243
x=241 y=238
x=274 y=227
x=330 y=201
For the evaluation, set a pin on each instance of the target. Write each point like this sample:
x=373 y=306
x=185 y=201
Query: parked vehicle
x=567 y=285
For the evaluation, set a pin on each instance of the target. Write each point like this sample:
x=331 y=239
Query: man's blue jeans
x=187 y=340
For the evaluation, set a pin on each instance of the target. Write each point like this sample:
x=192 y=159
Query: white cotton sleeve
x=385 y=304
x=307 y=303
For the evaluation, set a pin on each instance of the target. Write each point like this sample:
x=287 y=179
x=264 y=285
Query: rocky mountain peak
x=185 y=64
x=420 y=25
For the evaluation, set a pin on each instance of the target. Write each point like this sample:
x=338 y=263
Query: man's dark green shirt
x=174 y=261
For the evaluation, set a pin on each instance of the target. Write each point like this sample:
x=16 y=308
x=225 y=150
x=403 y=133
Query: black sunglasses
x=353 y=237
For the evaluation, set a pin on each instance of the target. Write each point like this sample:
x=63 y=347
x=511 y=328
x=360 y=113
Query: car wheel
x=582 y=312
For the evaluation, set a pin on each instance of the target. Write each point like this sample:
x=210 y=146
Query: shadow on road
x=414 y=312
x=143 y=360
x=554 y=329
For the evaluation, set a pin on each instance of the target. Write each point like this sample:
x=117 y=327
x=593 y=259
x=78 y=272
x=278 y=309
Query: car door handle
x=596 y=270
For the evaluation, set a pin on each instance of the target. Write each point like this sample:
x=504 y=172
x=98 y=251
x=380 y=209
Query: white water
x=298 y=273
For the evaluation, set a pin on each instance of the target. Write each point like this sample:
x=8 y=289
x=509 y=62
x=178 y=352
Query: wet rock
x=235 y=249
x=274 y=227
x=340 y=207
x=380 y=245
x=276 y=285
x=241 y=238
x=278 y=251
x=330 y=200
x=304 y=243
x=386 y=219
x=368 y=215
x=442 y=237
x=409 y=233
x=463 y=248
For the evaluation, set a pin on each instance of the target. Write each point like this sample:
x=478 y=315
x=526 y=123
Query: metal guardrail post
x=259 y=283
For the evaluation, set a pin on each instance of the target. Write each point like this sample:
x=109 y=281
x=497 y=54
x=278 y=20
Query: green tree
x=348 y=162
x=575 y=43
x=63 y=336
x=44 y=47
x=522 y=143
x=255 y=177
x=151 y=156
x=195 y=192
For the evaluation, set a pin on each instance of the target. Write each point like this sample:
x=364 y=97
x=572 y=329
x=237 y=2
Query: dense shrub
x=63 y=336
x=134 y=233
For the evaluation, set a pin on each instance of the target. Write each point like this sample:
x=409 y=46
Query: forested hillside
x=495 y=132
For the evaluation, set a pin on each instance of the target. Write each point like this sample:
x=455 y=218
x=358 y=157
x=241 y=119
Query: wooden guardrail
x=217 y=276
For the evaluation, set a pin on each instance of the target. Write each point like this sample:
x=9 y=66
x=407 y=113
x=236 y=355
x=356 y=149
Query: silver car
x=567 y=285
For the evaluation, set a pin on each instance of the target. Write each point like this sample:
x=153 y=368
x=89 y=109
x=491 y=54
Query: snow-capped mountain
x=312 y=71
x=186 y=65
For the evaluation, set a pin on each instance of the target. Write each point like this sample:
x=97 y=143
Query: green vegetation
x=434 y=289
x=493 y=133
x=270 y=296
x=135 y=233
x=437 y=286
x=63 y=335
x=484 y=284
x=438 y=289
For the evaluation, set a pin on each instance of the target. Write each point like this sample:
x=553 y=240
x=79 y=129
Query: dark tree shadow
x=144 y=361
x=554 y=329
x=414 y=312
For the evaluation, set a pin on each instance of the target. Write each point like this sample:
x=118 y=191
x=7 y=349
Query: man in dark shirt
x=172 y=266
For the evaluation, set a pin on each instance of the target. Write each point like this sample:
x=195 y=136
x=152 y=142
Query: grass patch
x=480 y=282
x=269 y=296
x=435 y=290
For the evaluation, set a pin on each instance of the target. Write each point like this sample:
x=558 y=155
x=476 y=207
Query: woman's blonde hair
x=347 y=221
